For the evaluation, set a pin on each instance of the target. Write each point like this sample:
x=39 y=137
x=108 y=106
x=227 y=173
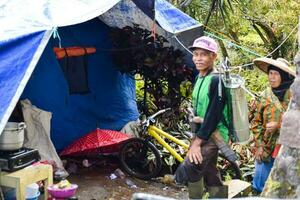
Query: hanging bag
x=74 y=62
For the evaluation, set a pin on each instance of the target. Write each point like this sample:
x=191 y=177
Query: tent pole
x=145 y=110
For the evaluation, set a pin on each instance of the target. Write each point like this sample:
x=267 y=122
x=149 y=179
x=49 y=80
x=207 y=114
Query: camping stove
x=18 y=159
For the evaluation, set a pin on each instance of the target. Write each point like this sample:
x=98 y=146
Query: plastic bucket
x=34 y=198
x=32 y=190
x=9 y=193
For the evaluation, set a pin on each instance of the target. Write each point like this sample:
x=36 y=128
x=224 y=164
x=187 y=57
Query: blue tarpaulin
x=18 y=57
x=29 y=69
x=171 y=20
x=111 y=102
x=168 y=17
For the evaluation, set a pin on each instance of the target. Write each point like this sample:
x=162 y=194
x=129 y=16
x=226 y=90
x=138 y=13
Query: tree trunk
x=269 y=37
x=284 y=179
x=211 y=10
x=223 y=49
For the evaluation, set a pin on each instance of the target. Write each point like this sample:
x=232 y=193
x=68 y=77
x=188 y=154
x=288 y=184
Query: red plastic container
x=62 y=193
x=276 y=151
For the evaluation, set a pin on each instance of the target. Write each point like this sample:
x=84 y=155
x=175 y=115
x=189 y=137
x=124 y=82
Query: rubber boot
x=196 y=189
x=218 y=192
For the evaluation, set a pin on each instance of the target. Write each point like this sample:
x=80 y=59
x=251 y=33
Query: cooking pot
x=12 y=137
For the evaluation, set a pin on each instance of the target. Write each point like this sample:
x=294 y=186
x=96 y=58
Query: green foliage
x=160 y=66
x=255 y=80
x=235 y=21
x=246 y=160
x=186 y=88
x=139 y=85
x=274 y=19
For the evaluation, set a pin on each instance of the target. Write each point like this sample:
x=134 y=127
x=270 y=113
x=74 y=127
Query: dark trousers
x=190 y=172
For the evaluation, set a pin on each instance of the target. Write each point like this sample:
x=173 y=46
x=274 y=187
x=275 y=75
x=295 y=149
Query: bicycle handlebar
x=151 y=118
x=159 y=113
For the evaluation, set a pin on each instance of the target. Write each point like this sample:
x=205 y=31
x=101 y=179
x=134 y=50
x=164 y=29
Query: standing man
x=210 y=108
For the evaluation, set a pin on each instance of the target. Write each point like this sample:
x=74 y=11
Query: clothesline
x=243 y=48
x=238 y=46
x=231 y=43
x=269 y=54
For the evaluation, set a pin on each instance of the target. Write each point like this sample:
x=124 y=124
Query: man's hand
x=198 y=120
x=271 y=127
x=195 y=119
x=259 y=154
x=194 y=153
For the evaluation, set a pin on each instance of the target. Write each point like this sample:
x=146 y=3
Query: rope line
x=56 y=35
x=283 y=41
x=229 y=42
x=275 y=48
x=182 y=44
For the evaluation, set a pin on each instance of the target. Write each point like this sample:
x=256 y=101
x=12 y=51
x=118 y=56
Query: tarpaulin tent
x=28 y=67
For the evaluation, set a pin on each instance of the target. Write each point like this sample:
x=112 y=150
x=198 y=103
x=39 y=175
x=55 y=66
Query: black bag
x=75 y=72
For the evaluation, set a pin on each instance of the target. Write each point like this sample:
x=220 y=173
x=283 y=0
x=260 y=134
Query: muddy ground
x=99 y=182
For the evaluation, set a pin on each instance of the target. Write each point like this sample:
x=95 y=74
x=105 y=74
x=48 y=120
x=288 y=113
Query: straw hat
x=263 y=64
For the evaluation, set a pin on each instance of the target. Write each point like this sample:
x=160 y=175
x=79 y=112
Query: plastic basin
x=62 y=193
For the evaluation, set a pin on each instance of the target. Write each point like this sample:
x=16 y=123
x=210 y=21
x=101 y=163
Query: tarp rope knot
x=56 y=35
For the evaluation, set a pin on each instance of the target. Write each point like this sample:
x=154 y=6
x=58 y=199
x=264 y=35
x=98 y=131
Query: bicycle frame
x=156 y=132
x=149 y=130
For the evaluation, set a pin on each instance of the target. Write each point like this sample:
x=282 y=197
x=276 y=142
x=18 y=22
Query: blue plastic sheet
x=171 y=19
x=21 y=17
x=111 y=102
x=18 y=58
x=26 y=28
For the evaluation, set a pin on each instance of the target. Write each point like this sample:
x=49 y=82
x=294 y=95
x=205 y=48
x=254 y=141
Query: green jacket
x=208 y=105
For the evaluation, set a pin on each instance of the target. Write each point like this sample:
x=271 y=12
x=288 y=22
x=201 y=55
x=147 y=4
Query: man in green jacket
x=210 y=108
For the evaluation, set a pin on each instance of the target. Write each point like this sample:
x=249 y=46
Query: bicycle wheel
x=140 y=158
x=228 y=168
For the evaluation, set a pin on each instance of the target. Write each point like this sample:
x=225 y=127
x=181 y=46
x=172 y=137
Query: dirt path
x=94 y=183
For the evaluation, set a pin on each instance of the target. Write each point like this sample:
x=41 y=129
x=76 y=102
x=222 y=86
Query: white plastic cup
x=32 y=190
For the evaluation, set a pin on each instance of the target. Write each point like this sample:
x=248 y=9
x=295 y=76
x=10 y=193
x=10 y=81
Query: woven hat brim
x=263 y=64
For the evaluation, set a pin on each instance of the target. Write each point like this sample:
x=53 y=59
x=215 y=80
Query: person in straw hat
x=266 y=124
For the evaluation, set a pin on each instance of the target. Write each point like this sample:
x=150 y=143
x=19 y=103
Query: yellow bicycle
x=140 y=158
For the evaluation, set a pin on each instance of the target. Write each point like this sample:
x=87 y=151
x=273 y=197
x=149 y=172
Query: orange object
x=153 y=30
x=72 y=51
